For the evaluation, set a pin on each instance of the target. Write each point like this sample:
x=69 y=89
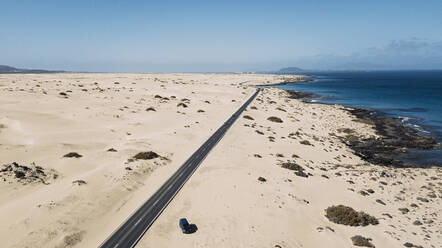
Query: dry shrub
x=348 y=216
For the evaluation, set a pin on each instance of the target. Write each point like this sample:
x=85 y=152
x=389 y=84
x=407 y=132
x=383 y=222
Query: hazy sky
x=143 y=36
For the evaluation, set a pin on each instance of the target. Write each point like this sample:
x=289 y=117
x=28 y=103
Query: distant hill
x=7 y=69
x=290 y=70
x=10 y=69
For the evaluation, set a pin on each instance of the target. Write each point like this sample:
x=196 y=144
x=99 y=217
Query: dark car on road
x=186 y=227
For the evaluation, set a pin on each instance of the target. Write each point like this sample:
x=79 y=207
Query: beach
x=70 y=176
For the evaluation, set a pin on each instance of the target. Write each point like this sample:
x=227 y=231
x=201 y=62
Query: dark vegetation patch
x=200 y=111
x=274 y=119
x=181 y=104
x=301 y=174
x=404 y=210
x=380 y=202
x=395 y=139
x=346 y=130
x=259 y=132
x=348 y=216
x=262 y=179
x=73 y=239
x=151 y=109
x=358 y=240
x=363 y=193
x=248 y=117
x=79 y=182
x=306 y=142
x=72 y=155
x=417 y=223
x=408 y=244
x=26 y=174
x=111 y=150
x=292 y=166
x=146 y=155
x=299 y=170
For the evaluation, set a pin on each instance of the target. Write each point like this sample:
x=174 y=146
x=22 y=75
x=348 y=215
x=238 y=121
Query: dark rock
x=26 y=174
x=301 y=95
x=394 y=137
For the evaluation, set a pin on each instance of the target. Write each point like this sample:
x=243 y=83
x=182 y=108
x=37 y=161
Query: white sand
x=224 y=198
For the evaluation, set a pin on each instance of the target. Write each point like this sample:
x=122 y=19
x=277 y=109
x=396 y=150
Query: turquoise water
x=413 y=96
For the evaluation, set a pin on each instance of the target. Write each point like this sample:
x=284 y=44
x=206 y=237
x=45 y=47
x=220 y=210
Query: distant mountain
x=10 y=69
x=7 y=69
x=290 y=70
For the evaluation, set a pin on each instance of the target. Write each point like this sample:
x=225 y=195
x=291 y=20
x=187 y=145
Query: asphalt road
x=130 y=232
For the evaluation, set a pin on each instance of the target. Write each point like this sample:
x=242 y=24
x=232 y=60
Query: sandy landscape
x=69 y=174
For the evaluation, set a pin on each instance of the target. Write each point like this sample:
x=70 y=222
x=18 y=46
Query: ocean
x=413 y=96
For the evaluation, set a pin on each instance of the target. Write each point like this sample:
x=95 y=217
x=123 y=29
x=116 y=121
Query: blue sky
x=143 y=36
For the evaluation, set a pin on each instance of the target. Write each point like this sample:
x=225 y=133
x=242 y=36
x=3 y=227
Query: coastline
x=267 y=183
x=396 y=142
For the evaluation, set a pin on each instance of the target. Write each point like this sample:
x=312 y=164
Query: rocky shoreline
x=393 y=141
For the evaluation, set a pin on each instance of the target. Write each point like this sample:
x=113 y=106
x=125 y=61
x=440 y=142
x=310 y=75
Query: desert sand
x=268 y=182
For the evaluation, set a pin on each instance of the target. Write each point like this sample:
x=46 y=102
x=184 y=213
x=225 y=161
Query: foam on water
x=413 y=96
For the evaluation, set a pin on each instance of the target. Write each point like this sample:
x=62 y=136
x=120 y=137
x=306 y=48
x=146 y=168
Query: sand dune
x=298 y=156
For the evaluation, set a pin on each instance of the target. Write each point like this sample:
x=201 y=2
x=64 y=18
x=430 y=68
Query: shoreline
x=397 y=139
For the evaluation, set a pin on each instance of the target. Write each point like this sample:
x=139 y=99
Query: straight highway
x=130 y=232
